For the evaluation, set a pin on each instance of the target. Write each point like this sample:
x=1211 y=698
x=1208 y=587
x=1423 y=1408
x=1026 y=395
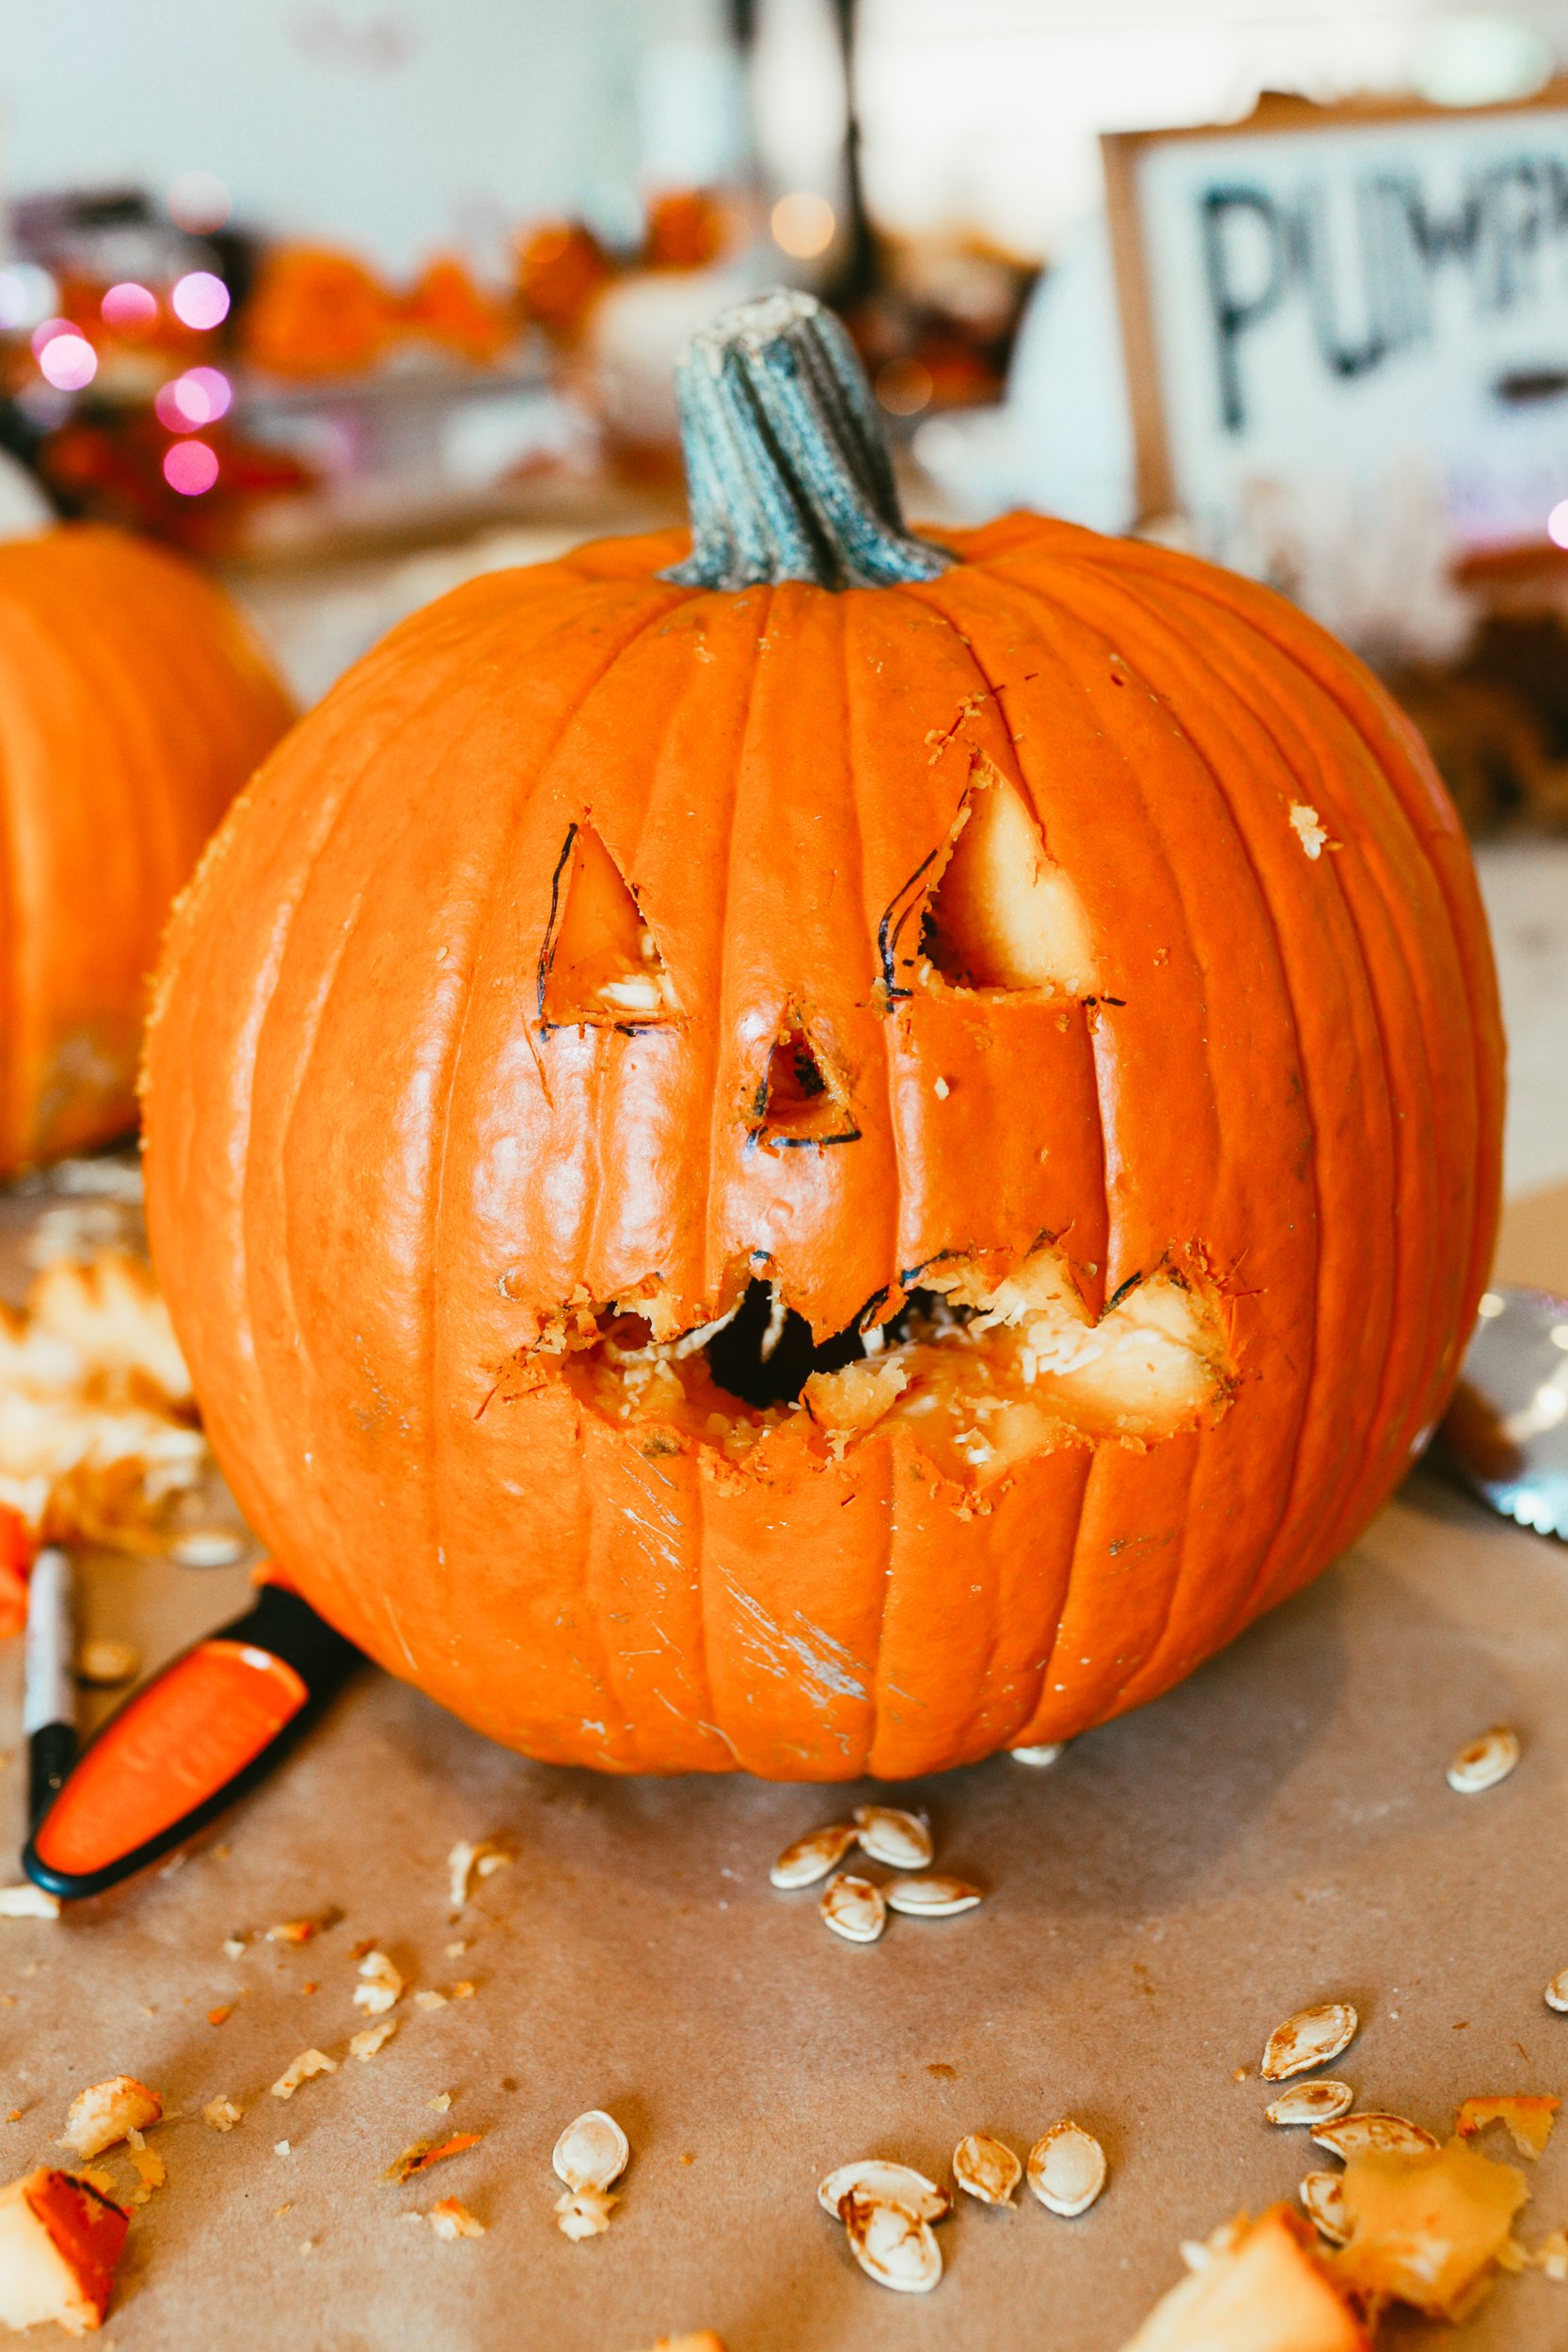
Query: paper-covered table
x=1277 y=1832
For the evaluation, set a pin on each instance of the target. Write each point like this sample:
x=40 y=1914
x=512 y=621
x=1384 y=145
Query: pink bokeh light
x=199 y=299
x=67 y=361
x=46 y=331
x=1556 y=523
x=129 y=307
x=190 y=467
x=199 y=397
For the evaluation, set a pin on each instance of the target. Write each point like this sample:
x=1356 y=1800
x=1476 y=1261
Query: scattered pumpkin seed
x=1483 y=1762
x=987 y=2168
x=1066 y=2168
x=591 y=2152
x=1557 y=1991
x=1041 y=1756
x=207 y=1547
x=853 y=1908
x=874 y=2178
x=1313 y=2102
x=901 y=1840
x=1311 y=2037
x=103 y=1665
x=1372 y=2134
x=892 y=2245
x=1324 y=2195
x=934 y=1898
x=812 y=1856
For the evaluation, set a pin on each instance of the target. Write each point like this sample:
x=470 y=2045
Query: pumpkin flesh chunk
x=984 y=1371
x=1257 y=2286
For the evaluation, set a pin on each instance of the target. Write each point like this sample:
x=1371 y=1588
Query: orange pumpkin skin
x=132 y=705
x=373 y=1172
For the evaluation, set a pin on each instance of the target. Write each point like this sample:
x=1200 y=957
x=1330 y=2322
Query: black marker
x=49 y=1703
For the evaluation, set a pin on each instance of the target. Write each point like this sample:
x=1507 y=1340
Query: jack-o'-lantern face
x=987 y=1356
x=838 y=1157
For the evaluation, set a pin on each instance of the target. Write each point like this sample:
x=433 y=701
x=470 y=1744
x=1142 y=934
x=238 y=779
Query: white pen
x=49 y=1701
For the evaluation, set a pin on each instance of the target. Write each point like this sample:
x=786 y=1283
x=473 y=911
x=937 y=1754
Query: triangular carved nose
x=801 y=1099
x=600 y=964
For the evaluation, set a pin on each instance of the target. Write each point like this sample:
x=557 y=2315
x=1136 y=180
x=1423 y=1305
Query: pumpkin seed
x=1313 y=2102
x=1040 y=1756
x=1324 y=2195
x=932 y=1898
x=901 y=1840
x=853 y=1908
x=1557 y=1991
x=1311 y=2037
x=892 y=2245
x=812 y=1856
x=207 y=1547
x=1066 y=2168
x=987 y=2168
x=1483 y=1762
x=591 y=2152
x=874 y=2179
x=1371 y=2135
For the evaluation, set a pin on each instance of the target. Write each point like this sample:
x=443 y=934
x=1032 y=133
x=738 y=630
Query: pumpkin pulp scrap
x=985 y=1370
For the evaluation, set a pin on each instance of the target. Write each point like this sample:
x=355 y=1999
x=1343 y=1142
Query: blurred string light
x=28 y=295
x=803 y=224
x=199 y=202
x=199 y=397
x=199 y=299
x=190 y=467
x=67 y=361
x=1556 y=523
x=131 y=307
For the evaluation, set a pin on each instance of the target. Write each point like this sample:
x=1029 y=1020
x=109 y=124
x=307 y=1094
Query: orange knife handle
x=189 y=1743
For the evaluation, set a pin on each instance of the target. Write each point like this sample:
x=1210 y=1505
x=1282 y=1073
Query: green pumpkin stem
x=788 y=471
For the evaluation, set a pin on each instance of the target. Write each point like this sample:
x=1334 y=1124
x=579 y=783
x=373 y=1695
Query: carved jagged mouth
x=985 y=1371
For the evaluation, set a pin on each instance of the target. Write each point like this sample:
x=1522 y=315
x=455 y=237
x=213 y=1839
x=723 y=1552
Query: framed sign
x=1349 y=290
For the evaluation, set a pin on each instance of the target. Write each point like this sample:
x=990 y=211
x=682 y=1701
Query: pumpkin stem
x=787 y=472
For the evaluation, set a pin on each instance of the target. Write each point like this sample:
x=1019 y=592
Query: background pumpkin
x=132 y=705
x=609 y=936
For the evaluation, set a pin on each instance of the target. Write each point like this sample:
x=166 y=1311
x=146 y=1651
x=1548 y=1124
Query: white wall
x=395 y=125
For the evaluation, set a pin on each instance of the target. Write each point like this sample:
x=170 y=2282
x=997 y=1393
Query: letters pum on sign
x=1363 y=294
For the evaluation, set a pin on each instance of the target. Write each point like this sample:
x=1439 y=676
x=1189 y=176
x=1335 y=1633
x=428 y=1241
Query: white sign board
x=1351 y=293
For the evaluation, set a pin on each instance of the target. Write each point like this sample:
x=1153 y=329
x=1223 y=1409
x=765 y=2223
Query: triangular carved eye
x=600 y=964
x=800 y=1099
x=1000 y=914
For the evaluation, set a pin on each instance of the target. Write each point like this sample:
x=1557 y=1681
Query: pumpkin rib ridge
x=278 y=1269
x=1186 y=648
x=1415 y=785
x=345 y=711
x=1177 y=1589
x=1399 y=1400
x=928 y=599
x=713 y=1274
x=886 y=1548
x=1035 y=598
x=1392 y=1409
x=441 y=1117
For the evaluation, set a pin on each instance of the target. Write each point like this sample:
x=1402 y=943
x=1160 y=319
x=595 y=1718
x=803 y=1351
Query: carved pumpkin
x=133 y=707
x=836 y=1155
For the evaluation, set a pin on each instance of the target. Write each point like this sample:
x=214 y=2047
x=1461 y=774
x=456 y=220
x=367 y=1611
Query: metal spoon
x=1505 y=1435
